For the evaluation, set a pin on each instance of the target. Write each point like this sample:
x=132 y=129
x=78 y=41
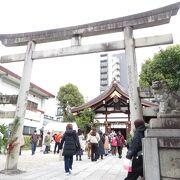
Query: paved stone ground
x=49 y=167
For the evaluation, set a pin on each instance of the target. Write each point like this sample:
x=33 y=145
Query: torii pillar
x=17 y=126
x=134 y=99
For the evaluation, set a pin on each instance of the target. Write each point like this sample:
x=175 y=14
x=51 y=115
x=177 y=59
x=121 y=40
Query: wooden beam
x=87 y=49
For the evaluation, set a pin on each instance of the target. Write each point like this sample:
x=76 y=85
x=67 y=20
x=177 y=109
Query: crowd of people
x=99 y=144
x=96 y=144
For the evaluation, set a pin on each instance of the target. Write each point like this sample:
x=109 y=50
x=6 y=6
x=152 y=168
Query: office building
x=104 y=72
x=113 y=68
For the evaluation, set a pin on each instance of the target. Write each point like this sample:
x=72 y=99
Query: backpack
x=57 y=137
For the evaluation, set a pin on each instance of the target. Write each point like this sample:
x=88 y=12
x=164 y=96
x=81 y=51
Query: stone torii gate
x=126 y=24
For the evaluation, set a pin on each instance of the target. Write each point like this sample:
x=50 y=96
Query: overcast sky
x=32 y=15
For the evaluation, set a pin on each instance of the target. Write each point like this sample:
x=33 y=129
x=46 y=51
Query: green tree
x=85 y=120
x=165 y=65
x=69 y=96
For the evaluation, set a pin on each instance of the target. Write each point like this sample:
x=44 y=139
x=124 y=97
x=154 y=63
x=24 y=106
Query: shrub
x=4 y=140
x=27 y=144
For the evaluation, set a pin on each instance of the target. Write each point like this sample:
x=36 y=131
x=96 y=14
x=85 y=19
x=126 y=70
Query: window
x=32 y=105
x=28 y=130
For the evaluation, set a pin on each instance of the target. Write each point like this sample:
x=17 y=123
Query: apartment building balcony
x=103 y=76
x=104 y=64
x=104 y=82
x=103 y=70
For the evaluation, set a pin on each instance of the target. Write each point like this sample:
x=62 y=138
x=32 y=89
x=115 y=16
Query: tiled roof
x=14 y=77
x=109 y=91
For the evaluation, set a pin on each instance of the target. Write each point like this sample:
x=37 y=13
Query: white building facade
x=104 y=72
x=119 y=69
x=113 y=67
x=35 y=111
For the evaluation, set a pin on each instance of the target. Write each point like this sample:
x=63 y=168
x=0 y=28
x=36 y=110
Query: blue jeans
x=57 y=144
x=33 y=147
x=46 y=150
x=68 y=161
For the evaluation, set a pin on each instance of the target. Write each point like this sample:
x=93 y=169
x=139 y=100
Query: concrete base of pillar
x=11 y=171
x=161 y=148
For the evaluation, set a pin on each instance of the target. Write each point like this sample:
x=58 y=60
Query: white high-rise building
x=119 y=69
x=104 y=72
x=113 y=67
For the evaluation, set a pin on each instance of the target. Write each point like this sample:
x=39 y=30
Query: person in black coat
x=71 y=144
x=135 y=151
x=101 y=144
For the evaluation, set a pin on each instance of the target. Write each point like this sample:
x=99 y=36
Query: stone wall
x=161 y=148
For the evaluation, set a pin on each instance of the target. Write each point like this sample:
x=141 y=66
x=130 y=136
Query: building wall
x=113 y=67
x=7 y=87
x=119 y=69
x=116 y=69
x=104 y=74
x=33 y=117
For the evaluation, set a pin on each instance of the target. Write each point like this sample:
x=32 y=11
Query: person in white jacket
x=94 y=138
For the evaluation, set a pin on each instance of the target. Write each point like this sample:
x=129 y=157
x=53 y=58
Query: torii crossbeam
x=137 y=21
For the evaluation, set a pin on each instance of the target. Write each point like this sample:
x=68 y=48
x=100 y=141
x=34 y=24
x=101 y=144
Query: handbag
x=127 y=165
x=77 y=147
